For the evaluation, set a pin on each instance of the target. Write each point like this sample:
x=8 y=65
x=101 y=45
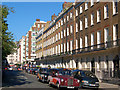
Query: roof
x=40 y=22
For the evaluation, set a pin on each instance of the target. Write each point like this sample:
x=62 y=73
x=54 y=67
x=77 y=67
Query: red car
x=62 y=79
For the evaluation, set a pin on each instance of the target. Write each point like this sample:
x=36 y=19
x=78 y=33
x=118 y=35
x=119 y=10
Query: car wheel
x=38 y=78
x=58 y=85
x=49 y=83
x=43 y=80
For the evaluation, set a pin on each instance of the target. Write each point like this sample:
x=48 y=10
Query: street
x=20 y=79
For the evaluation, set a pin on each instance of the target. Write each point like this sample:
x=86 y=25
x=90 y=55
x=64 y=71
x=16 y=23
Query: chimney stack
x=53 y=17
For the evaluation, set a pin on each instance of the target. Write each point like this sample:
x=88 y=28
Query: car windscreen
x=89 y=74
x=35 y=69
x=65 y=72
x=44 y=70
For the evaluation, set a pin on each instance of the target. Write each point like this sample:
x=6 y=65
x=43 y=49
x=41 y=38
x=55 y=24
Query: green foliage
x=8 y=44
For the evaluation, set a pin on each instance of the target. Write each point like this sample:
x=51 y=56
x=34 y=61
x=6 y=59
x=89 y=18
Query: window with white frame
x=86 y=41
x=38 y=25
x=64 y=33
x=76 y=12
x=105 y=11
x=81 y=25
x=61 y=22
x=67 y=18
x=67 y=46
x=70 y=14
x=64 y=20
x=53 y=39
x=76 y=27
x=92 y=40
x=86 y=5
x=92 y=19
x=106 y=34
x=81 y=43
x=92 y=2
x=81 y=9
x=76 y=44
x=115 y=32
x=53 y=29
x=56 y=26
x=71 y=28
x=42 y=25
x=98 y=38
x=61 y=34
x=64 y=47
x=86 y=22
x=61 y=47
x=115 y=7
x=71 y=45
x=67 y=31
x=98 y=15
x=98 y=0
x=56 y=37
x=56 y=49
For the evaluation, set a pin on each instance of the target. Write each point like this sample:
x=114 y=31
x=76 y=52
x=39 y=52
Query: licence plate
x=92 y=84
x=70 y=87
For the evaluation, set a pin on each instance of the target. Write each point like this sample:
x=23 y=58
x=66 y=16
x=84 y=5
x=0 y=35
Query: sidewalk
x=107 y=85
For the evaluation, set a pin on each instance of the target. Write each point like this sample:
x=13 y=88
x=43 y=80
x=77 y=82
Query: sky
x=26 y=14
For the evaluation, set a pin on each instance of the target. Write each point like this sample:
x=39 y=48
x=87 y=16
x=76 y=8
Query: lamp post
x=62 y=62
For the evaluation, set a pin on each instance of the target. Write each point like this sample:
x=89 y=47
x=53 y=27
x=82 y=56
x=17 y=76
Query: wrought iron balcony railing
x=97 y=47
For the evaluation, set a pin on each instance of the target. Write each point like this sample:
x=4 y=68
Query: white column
x=79 y=65
x=74 y=64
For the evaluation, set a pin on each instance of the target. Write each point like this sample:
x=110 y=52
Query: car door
x=78 y=75
x=54 y=77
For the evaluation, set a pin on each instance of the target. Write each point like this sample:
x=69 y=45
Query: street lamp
x=62 y=62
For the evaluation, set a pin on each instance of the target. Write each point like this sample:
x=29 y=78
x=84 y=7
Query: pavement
x=22 y=80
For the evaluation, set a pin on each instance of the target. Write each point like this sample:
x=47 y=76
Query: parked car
x=29 y=70
x=35 y=71
x=87 y=78
x=43 y=74
x=10 y=68
x=62 y=79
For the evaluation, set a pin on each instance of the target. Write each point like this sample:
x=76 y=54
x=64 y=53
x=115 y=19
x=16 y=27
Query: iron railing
x=97 y=47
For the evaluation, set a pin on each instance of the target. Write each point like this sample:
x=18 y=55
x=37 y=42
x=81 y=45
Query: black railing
x=97 y=47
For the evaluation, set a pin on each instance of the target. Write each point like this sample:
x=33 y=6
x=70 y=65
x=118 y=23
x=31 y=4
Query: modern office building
x=29 y=42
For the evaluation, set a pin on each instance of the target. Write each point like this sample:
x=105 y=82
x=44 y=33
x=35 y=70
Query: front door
x=116 y=67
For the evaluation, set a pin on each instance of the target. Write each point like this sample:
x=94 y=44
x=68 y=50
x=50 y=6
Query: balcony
x=97 y=47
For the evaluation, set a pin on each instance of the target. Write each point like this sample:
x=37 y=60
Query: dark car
x=35 y=71
x=87 y=78
x=62 y=79
x=29 y=70
x=43 y=74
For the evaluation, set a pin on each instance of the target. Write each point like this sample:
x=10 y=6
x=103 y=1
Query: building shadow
x=14 y=78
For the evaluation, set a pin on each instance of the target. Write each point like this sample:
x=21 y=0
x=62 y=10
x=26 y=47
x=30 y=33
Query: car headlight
x=84 y=81
x=45 y=75
x=62 y=80
x=78 y=81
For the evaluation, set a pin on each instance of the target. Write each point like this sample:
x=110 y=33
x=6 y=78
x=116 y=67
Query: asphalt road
x=15 y=80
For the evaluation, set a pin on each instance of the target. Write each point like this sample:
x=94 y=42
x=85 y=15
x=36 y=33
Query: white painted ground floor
x=104 y=63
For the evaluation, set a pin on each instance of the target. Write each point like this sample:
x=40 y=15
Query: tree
x=8 y=44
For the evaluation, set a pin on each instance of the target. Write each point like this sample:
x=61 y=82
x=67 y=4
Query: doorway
x=93 y=65
x=116 y=67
